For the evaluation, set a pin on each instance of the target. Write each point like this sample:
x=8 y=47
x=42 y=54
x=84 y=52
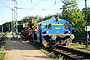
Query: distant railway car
x=53 y=32
x=28 y=29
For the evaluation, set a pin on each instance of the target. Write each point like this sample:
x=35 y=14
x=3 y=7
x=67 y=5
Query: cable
x=35 y=9
x=55 y=3
x=1 y=6
x=34 y=6
x=6 y=6
x=42 y=9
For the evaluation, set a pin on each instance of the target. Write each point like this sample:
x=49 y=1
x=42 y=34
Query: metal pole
x=9 y=27
x=55 y=1
x=12 y=22
x=86 y=23
x=15 y=17
x=2 y=28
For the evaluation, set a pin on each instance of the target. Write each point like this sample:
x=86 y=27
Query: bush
x=2 y=49
x=2 y=55
x=52 y=54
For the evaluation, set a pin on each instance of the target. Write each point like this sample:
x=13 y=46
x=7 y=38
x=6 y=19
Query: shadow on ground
x=35 y=56
x=18 y=45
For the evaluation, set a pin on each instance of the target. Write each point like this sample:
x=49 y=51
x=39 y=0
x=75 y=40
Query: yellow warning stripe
x=44 y=42
x=53 y=24
x=57 y=28
x=59 y=24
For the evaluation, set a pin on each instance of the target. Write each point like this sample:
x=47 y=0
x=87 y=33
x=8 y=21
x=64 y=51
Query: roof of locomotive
x=53 y=21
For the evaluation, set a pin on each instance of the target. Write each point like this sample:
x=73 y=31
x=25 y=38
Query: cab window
x=66 y=26
x=48 y=27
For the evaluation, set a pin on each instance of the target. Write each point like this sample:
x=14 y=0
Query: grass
x=52 y=55
x=45 y=52
x=2 y=53
x=80 y=47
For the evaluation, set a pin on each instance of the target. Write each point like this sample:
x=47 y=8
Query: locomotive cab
x=56 y=32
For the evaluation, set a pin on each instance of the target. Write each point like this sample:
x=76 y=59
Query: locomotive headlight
x=53 y=37
x=72 y=36
x=46 y=31
x=68 y=31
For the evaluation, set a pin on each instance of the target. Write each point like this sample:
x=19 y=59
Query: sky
x=33 y=8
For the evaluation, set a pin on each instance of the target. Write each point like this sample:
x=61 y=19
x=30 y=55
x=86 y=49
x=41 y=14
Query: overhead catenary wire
x=2 y=6
x=7 y=6
x=34 y=6
x=55 y=10
x=55 y=1
x=24 y=8
x=12 y=15
x=36 y=9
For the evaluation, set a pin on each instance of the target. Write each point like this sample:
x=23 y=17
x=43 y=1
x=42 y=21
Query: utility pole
x=12 y=26
x=2 y=28
x=15 y=17
x=55 y=1
x=9 y=27
x=86 y=24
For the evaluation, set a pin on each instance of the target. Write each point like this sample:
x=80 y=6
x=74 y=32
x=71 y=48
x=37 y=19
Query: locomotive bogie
x=58 y=39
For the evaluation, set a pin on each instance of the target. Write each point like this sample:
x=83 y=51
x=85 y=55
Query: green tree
x=38 y=18
x=69 y=4
x=7 y=27
x=71 y=13
x=74 y=16
x=88 y=14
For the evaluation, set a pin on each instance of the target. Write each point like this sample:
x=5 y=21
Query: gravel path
x=18 y=50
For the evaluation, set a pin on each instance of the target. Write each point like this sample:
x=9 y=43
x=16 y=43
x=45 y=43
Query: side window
x=49 y=27
x=46 y=27
x=66 y=26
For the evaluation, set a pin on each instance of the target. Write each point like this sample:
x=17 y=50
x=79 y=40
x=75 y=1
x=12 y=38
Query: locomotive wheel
x=67 y=42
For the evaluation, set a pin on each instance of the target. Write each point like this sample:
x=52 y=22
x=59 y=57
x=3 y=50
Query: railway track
x=70 y=54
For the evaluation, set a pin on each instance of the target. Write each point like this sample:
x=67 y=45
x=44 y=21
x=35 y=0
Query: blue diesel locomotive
x=53 y=32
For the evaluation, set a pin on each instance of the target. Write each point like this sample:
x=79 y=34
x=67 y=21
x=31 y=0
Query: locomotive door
x=40 y=33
